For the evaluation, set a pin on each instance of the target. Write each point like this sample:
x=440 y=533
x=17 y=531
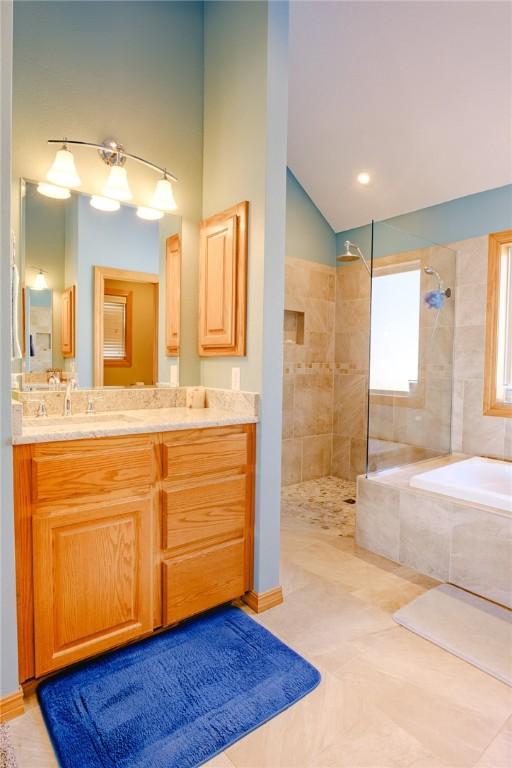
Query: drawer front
x=197 y=582
x=207 y=454
x=79 y=475
x=203 y=515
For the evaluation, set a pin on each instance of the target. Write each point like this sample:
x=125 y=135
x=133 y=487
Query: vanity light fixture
x=150 y=214
x=63 y=171
x=163 y=197
x=117 y=185
x=40 y=283
x=51 y=190
x=104 y=203
x=112 y=153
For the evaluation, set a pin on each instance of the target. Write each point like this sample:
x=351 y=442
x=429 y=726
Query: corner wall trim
x=262 y=601
x=11 y=706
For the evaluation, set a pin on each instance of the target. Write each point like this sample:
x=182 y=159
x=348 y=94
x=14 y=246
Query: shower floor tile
x=327 y=503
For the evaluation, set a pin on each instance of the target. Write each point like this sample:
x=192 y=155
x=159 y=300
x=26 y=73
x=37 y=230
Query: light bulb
x=104 y=203
x=150 y=214
x=40 y=283
x=50 y=190
x=116 y=185
x=163 y=197
x=363 y=178
x=63 y=170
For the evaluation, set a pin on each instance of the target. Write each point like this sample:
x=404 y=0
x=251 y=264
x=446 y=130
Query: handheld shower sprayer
x=435 y=299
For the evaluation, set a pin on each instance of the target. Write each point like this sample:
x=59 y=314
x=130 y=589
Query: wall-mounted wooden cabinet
x=68 y=322
x=223 y=282
x=117 y=536
x=172 y=294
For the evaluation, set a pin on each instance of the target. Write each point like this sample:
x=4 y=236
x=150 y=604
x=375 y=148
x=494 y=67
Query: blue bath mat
x=176 y=699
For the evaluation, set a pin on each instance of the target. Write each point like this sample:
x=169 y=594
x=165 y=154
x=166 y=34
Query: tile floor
x=388 y=699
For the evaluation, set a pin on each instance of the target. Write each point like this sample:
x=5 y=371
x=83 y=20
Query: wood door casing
x=93 y=580
x=223 y=282
x=172 y=294
x=68 y=322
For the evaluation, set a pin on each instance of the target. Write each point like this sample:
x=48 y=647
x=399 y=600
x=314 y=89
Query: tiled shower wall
x=308 y=371
x=325 y=379
x=472 y=432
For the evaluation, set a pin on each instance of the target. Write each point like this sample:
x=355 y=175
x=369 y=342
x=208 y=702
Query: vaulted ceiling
x=418 y=94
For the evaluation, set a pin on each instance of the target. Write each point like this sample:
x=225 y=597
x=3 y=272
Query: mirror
x=100 y=293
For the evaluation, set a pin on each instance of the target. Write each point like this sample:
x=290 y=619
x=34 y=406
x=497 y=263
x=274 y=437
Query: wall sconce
x=51 y=190
x=40 y=283
x=63 y=173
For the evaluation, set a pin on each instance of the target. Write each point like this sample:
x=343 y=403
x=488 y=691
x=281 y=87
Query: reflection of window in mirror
x=117 y=328
x=498 y=346
x=395 y=334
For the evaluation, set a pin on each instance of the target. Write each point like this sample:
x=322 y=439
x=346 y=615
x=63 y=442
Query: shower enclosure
x=411 y=329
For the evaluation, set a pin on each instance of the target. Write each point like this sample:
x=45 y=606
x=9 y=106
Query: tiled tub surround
x=126 y=411
x=469 y=545
x=308 y=371
x=472 y=432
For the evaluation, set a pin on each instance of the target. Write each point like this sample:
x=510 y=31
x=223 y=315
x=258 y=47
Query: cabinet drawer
x=200 y=516
x=195 y=455
x=197 y=582
x=72 y=475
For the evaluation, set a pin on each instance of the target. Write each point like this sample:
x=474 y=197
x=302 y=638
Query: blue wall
x=308 y=234
x=470 y=216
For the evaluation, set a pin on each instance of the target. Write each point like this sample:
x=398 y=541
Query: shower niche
x=293 y=327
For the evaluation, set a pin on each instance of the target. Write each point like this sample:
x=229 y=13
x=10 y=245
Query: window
x=117 y=328
x=498 y=346
x=395 y=330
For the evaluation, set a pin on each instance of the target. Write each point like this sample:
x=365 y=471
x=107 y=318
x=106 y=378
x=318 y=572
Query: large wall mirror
x=100 y=293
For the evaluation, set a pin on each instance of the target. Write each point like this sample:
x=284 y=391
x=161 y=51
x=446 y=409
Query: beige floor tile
x=499 y=753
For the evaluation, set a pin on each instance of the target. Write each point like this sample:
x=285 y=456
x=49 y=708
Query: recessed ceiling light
x=363 y=178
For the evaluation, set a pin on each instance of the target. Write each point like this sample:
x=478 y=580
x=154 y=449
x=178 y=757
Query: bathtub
x=483 y=481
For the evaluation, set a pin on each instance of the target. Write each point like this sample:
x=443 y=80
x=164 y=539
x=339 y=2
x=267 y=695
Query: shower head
x=350 y=256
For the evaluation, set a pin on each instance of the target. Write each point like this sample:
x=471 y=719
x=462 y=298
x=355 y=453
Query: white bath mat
x=468 y=626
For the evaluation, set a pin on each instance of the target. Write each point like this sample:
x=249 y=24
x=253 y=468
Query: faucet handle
x=90 y=403
x=41 y=408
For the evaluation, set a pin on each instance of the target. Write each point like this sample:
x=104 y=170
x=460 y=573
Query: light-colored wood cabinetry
x=172 y=294
x=223 y=282
x=118 y=536
x=68 y=322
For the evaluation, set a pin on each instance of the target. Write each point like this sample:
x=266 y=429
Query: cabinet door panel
x=172 y=294
x=222 y=282
x=200 y=516
x=197 y=582
x=93 y=580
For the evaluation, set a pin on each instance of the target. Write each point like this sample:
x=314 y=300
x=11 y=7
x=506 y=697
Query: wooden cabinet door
x=68 y=322
x=93 y=580
x=222 y=282
x=172 y=294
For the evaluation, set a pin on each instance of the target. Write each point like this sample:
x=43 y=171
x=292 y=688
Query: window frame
x=389 y=265
x=126 y=361
x=492 y=406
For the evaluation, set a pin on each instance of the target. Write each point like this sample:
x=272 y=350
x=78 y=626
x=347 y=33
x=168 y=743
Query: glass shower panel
x=411 y=349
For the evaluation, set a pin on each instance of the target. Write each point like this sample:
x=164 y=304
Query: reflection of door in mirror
x=38 y=313
x=126 y=328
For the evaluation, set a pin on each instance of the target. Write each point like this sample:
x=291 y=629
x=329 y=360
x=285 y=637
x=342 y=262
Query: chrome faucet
x=67 y=397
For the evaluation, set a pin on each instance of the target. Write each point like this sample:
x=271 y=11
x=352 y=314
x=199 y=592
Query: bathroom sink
x=91 y=418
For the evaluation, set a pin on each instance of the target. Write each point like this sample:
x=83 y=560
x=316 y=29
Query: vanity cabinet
x=118 y=536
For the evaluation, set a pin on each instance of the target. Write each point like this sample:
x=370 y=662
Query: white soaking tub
x=482 y=481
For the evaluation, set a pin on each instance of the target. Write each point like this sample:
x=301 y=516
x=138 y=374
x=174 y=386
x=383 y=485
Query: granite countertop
x=127 y=422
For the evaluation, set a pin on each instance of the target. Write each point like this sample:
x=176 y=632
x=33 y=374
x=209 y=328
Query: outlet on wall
x=235 y=378
x=174 y=375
